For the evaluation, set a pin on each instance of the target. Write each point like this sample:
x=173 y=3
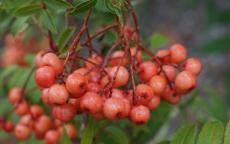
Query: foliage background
x=202 y=25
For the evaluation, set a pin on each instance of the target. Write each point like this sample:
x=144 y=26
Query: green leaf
x=185 y=135
x=158 y=40
x=65 y=37
x=48 y=21
x=28 y=10
x=62 y=3
x=227 y=134
x=65 y=138
x=19 y=25
x=114 y=8
x=88 y=132
x=211 y=133
x=117 y=135
x=84 y=6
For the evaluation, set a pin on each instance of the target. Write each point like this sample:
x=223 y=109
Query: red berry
x=71 y=130
x=137 y=54
x=51 y=59
x=144 y=94
x=27 y=121
x=163 y=55
x=185 y=81
x=158 y=83
x=22 y=132
x=127 y=107
x=36 y=111
x=140 y=114
x=96 y=59
x=120 y=74
x=113 y=108
x=116 y=93
x=22 y=108
x=52 y=137
x=171 y=96
x=146 y=70
x=43 y=124
x=169 y=72
x=38 y=59
x=45 y=96
x=58 y=94
x=178 y=53
x=45 y=76
x=8 y=126
x=91 y=102
x=64 y=112
x=154 y=103
x=193 y=65
x=75 y=102
x=76 y=84
x=15 y=95
x=93 y=87
x=119 y=58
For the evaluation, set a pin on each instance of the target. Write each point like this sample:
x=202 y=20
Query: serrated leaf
x=227 y=134
x=88 y=132
x=19 y=25
x=211 y=133
x=28 y=10
x=185 y=135
x=65 y=37
x=117 y=135
x=48 y=21
x=84 y=6
x=158 y=40
x=65 y=138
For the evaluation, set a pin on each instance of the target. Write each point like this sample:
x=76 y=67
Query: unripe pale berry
x=8 y=126
x=144 y=94
x=154 y=103
x=121 y=75
x=52 y=137
x=169 y=71
x=64 y=112
x=51 y=59
x=45 y=76
x=22 y=108
x=36 y=111
x=58 y=94
x=193 y=65
x=178 y=53
x=22 y=132
x=146 y=70
x=15 y=95
x=140 y=114
x=158 y=83
x=185 y=81
x=113 y=108
x=76 y=84
x=91 y=102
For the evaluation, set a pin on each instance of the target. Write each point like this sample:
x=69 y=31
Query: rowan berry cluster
x=106 y=88
x=34 y=119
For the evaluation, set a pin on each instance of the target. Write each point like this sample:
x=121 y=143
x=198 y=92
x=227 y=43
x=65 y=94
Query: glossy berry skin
x=22 y=108
x=91 y=102
x=51 y=59
x=113 y=108
x=64 y=112
x=144 y=94
x=8 y=126
x=45 y=76
x=169 y=71
x=158 y=83
x=193 y=65
x=154 y=103
x=58 y=94
x=119 y=58
x=146 y=70
x=15 y=95
x=185 y=81
x=43 y=124
x=120 y=74
x=93 y=87
x=76 y=84
x=127 y=108
x=178 y=53
x=36 y=111
x=171 y=96
x=22 y=132
x=52 y=137
x=163 y=55
x=139 y=114
x=27 y=121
